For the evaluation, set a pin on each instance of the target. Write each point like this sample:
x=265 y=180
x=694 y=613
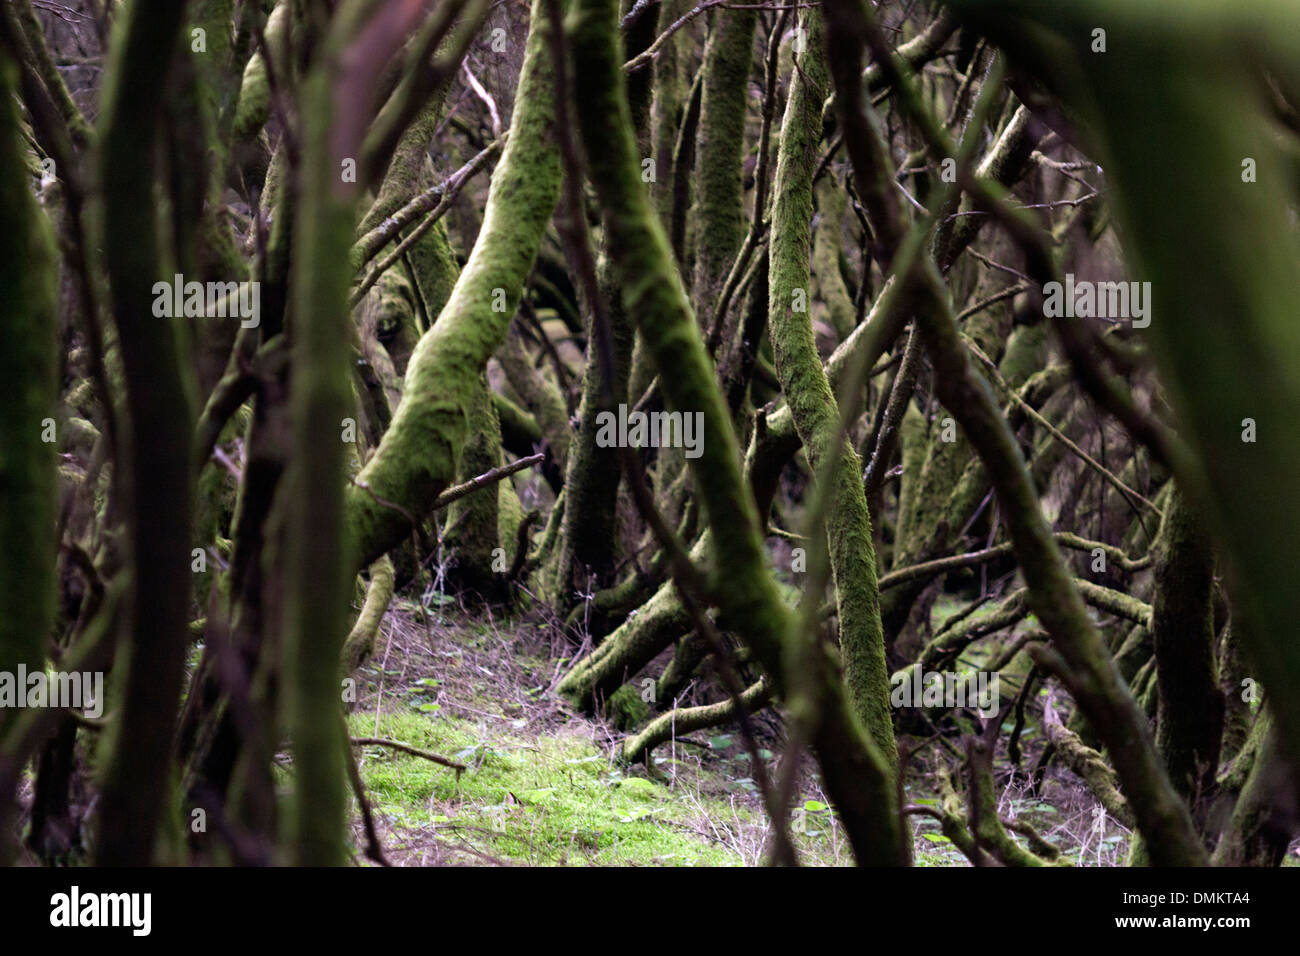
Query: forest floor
x=543 y=785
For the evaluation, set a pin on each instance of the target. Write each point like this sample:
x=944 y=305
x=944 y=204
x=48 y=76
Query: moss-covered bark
x=360 y=641
x=719 y=204
x=430 y=261
x=827 y=247
x=542 y=396
x=253 y=108
x=1263 y=820
x=521 y=435
x=591 y=536
x=1147 y=100
x=1234 y=670
x=201 y=90
x=156 y=470
x=28 y=396
x=941 y=498
x=1087 y=763
x=1190 y=721
x=633 y=645
x=418 y=455
x=984 y=802
x=665 y=116
x=471 y=531
x=689 y=719
x=856 y=774
x=1083 y=660
x=38 y=59
x=318 y=575
x=1054 y=598
x=812 y=404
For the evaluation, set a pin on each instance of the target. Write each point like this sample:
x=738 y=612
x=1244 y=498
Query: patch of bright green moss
x=537 y=800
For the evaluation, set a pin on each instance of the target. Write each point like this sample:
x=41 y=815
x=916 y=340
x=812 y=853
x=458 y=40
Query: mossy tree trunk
x=471 y=522
x=419 y=454
x=1263 y=820
x=318 y=577
x=1190 y=722
x=28 y=397
x=720 y=143
x=812 y=403
x=856 y=774
x=156 y=470
x=1142 y=99
x=589 y=547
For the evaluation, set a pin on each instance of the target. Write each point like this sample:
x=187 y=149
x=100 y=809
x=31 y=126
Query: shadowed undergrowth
x=543 y=785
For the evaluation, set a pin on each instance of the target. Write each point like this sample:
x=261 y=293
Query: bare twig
x=408 y=749
x=457 y=492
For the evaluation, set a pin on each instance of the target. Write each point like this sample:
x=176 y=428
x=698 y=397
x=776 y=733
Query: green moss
x=28 y=393
x=626 y=709
x=856 y=773
x=510 y=515
x=812 y=403
x=719 y=209
x=420 y=451
x=827 y=249
x=632 y=646
x=254 y=106
x=430 y=259
x=537 y=800
x=591 y=529
x=318 y=577
x=471 y=531
x=538 y=389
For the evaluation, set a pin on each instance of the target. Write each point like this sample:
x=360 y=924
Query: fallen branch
x=1086 y=762
x=408 y=749
x=684 y=720
x=374 y=848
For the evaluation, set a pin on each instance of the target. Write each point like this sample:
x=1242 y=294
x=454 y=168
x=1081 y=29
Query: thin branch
x=1129 y=494
x=487 y=478
x=408 y=749
x=652 y=51
x=430 y=201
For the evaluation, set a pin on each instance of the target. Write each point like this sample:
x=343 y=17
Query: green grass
x=550 y=799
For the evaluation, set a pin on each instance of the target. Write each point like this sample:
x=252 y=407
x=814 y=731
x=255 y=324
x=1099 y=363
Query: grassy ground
x=541 y=785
